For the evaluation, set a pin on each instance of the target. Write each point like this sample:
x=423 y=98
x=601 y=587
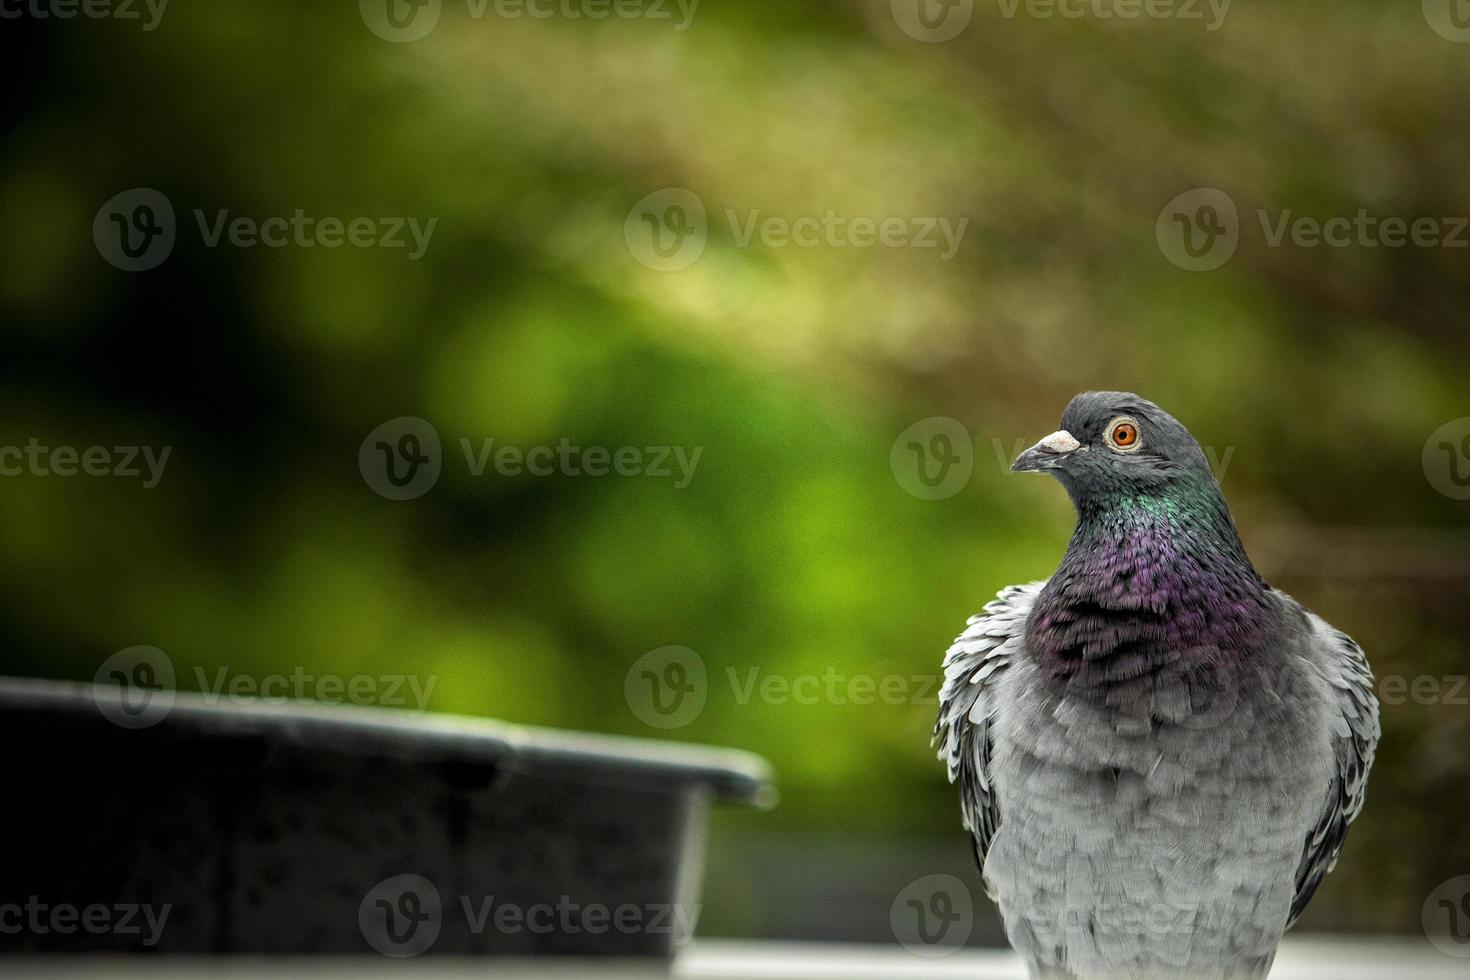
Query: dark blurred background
x=1321 y=377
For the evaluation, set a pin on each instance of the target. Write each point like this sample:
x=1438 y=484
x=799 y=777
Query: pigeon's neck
x=1150 y=582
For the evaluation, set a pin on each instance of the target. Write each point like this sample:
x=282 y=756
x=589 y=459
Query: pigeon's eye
x=1122 y=435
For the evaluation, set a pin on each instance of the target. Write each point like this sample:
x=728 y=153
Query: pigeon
x=1158 y=754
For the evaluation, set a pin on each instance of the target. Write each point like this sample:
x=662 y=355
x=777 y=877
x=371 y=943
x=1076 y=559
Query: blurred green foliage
x=794 y=550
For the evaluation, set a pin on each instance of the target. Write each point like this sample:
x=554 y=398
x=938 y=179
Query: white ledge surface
x=1301 y=958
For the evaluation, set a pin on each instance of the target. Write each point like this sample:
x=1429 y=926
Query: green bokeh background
x=1318 y=374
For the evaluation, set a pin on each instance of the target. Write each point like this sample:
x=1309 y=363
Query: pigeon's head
x=1116 y=444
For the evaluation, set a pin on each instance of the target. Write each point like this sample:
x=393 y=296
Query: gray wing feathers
x=967 y=706
x=1355 y=738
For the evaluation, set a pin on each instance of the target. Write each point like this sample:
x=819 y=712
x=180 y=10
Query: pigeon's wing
x=1355 y=738
x=967 y=706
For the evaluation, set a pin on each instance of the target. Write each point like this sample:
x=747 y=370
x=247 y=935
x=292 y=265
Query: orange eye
x=1123 y=434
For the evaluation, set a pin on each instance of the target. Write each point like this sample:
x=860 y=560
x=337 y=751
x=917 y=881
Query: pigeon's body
x=1158 y=754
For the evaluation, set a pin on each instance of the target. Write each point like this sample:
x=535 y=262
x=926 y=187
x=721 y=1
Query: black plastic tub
x=230 y=828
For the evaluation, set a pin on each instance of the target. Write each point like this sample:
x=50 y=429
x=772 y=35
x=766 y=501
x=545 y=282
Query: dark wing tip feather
x=1358 y=730
x=962 y=729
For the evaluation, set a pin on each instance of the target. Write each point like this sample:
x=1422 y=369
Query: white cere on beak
x=1061 y=441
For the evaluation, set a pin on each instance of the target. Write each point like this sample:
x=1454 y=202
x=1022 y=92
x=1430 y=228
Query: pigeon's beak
x=1048 y=454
